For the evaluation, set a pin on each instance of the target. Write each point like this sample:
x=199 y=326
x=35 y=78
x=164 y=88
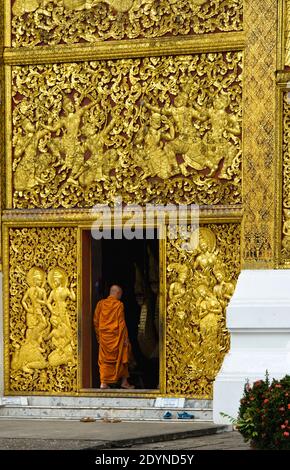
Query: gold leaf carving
x=164 y=129
x=42 y=310
x=200 y=282
x=40 y=22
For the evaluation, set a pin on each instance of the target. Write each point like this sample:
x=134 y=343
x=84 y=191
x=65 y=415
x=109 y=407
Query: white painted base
x=1 y=341
x=258 y=318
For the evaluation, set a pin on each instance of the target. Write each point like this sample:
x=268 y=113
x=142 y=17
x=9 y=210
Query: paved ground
x=69 y=434
x=222 y=441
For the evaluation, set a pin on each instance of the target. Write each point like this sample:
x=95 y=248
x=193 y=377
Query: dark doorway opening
x=134 y=265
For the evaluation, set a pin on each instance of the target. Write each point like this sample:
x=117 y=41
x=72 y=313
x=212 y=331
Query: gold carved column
x=260 y=131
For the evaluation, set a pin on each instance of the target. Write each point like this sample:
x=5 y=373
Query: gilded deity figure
x=224 y=289
x=216 y=144
x=151 y=150
x=57 y=279
x=210 y=311
x=206 y=256
x=99 y=165
x=61 y=334
x=26 y=149
x=177 y=289
x=69 y=124
x=29 y=355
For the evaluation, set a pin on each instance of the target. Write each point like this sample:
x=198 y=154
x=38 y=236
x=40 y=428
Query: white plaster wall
x=258 y=319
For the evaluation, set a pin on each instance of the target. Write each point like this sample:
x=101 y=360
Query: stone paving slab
x=64 y=434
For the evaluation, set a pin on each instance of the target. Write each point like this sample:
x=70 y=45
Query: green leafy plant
x=264 y=414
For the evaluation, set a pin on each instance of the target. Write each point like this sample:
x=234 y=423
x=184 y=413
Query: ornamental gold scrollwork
x=287 y=51
x=164 y=129
x=41 y=22
x=201 y=282
x=286 y=180
x=42 y=316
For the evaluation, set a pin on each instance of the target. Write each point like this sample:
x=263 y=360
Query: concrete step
x=75 y=408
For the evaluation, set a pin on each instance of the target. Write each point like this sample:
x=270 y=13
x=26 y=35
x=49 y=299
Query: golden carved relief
x=164 y=129
x=201 y=283
x=287 y=34
x=42 y=310
x=259 y=124
x=40 y=22
x=286 y=179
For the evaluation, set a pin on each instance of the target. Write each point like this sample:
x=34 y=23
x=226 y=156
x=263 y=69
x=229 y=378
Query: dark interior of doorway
x=134 y=265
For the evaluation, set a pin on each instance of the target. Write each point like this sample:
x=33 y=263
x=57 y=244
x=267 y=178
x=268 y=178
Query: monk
x=113 y=339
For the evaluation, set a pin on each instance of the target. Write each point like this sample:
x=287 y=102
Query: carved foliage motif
x=200 y=285
x=42 y=310
x=164 y=129
x=286 y=179
x=40 y=22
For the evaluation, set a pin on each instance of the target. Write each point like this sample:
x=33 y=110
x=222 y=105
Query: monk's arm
x=97 y=319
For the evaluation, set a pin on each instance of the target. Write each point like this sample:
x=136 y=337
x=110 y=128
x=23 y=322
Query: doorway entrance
x=134 y=265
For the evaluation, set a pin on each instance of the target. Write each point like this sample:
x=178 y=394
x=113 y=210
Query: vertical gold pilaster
x=260 y=162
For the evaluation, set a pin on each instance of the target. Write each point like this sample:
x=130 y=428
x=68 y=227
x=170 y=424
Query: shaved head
x=116 y=291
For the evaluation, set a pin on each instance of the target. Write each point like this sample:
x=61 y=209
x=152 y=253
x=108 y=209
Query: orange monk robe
x=112 y=335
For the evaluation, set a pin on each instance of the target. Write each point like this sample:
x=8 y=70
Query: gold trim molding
x=219 y=42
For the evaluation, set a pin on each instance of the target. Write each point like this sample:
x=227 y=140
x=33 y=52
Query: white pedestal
x=258 y=318
x=1 y=341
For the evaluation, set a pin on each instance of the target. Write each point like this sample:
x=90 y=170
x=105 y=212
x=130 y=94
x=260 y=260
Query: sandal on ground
x=104 y=387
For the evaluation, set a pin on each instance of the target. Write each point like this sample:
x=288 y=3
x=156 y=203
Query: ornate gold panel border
x=169 y=280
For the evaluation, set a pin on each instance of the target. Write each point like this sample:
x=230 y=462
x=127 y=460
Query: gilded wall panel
x=259 y=126
x=286 y=179
x=200 y=284
x=44 y=22
x=42 y=344
x=287 y=32
x=162 y=129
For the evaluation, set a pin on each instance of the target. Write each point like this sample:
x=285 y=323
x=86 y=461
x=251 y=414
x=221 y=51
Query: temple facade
x=152 y=102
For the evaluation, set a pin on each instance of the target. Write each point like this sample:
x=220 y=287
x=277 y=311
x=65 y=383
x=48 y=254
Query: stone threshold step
x=112 y=407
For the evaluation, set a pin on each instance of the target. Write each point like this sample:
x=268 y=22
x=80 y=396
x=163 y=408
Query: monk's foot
x=127 y=385
x=104 y=386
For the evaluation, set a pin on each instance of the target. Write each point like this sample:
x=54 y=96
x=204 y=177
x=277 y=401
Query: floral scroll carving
x=41 y=22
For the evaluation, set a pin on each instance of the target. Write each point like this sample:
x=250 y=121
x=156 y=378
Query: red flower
x=266 y=401
x=283 y=426
x=252 y=398
x=288 y=406
x=282 y=408
x=286 y=434
x=278 y=386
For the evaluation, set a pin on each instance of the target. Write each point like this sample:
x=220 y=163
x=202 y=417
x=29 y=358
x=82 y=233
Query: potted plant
x=264 y=414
